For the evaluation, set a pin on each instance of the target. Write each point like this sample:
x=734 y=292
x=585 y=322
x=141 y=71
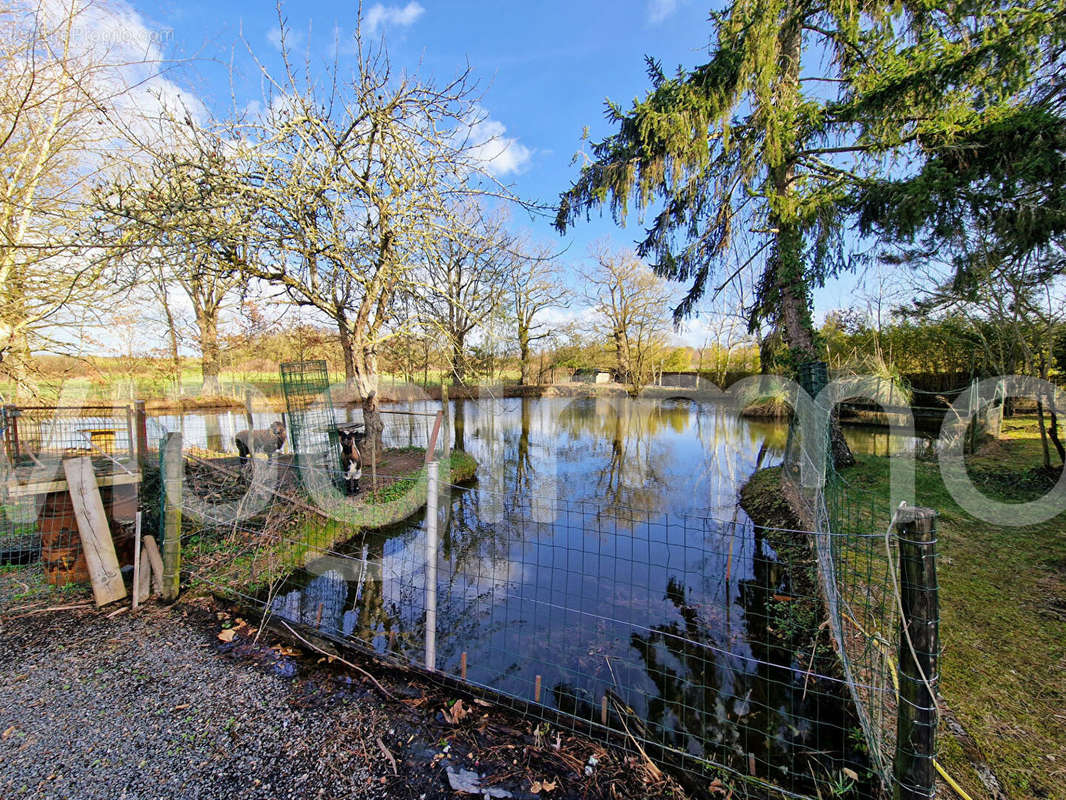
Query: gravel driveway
x=141 y=706
x=150 y=704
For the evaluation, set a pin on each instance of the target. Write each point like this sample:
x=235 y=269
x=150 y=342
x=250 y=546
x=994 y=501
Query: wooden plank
x=144 y=587
x=156 y=562
x=172 y=470
x=136 y=585
x=16 y=489
x=94 y=531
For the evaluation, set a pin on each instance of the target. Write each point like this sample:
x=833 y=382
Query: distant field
x=232 y=384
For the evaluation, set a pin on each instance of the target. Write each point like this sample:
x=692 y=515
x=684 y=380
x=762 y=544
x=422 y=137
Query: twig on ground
x=346 y=663
x=50 y=609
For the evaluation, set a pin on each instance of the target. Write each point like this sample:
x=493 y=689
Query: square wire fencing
x=876 y=571
x=695 y=642
x=39 y=542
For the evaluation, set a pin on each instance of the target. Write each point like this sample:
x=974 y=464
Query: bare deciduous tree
x=59 y=100
x=632 y=305
x=353 y=186
x=534 y=287
x=462 y=283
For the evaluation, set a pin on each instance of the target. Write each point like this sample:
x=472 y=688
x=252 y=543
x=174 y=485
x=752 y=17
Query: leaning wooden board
x=94 y=531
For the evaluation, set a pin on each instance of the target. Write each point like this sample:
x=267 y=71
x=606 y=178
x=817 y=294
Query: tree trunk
x=458 y=363
x=1053 y=432
x=365 y=374
x=459 y=423
x=210 y=353
x=348 y=352
x=1043 y=432
x=621 y=360
x=785 y=266
x=172 y=336
x=523 y=355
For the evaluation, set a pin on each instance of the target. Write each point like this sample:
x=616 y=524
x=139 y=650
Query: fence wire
x=694 y=641
x=858 y=554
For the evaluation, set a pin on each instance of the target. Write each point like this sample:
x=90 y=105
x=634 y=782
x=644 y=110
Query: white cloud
x=127 y=55
x=499 y=154
x=379 y=16
x=292 y=38
x=658 y=10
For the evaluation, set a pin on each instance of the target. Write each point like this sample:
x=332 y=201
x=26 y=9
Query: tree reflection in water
x=602 y=550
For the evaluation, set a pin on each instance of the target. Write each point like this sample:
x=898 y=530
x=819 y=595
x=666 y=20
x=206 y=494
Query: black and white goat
x=351 y=460
x=260 y=441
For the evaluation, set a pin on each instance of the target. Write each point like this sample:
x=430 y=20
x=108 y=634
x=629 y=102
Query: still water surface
x=600 y=552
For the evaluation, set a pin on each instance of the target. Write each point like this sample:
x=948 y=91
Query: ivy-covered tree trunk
x=788 y=273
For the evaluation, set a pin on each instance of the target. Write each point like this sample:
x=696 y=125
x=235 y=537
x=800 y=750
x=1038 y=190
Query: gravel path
x=141 y=706
x=150 y=704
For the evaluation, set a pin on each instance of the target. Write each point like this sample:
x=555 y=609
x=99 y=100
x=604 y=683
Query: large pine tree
x=744 y=143
x=970 y=106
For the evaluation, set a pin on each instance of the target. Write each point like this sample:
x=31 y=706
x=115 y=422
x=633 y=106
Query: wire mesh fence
x=689 y=640
x=858 y=553
x=39 y=542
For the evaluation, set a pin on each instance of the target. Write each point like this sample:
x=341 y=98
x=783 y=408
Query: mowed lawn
x=1003 y=623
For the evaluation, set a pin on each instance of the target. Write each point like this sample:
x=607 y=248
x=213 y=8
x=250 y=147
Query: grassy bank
x=290 y=535
x=1003 y=622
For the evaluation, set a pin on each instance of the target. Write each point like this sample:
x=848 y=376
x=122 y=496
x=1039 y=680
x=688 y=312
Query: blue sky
x=544 y=70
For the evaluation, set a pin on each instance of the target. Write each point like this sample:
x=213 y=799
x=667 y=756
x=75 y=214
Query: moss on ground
x=1003 y=621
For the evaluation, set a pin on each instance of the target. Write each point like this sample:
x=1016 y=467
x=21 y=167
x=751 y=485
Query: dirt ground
x=189 y=702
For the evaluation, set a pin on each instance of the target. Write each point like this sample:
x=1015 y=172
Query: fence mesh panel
x=39 y=543
x=858 y=554
x=694 y=641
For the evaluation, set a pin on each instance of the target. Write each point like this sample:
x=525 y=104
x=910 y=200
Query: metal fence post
x=141 y=415
x=919 y=655
x=431 y=564
x=171 y=478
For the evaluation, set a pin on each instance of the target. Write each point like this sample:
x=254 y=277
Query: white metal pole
x=431 y=564
x=137 y=562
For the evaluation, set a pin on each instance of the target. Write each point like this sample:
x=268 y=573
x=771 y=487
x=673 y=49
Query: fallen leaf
x=851 y=774
x=456 y=713
x=227 y=635
x=182 y=707
x=542 y=786
x=717 y=787
x=7 y=733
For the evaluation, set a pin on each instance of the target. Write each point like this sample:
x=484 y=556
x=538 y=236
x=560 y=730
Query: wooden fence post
x=919 y=655
x=171 y=478
x=141 y=425
x=248 y=409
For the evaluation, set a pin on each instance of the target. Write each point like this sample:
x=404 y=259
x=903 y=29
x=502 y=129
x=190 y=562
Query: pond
x=600 y=564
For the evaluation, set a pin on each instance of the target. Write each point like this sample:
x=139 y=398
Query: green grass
x=230 y=562
x=1003 y=620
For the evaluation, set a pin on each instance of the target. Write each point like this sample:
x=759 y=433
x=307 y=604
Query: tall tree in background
x=631 y=304
x=534 y=287
x=60 y=97
x=179 y=221
x=461 y=284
